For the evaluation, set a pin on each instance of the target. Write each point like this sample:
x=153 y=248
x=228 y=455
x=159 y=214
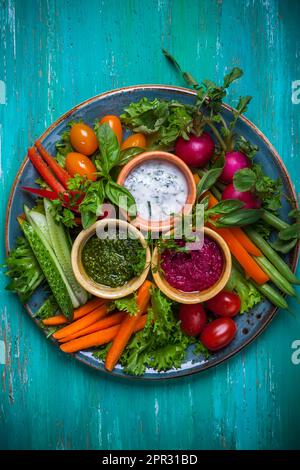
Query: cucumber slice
x=50 y=267
x=62 y=249
x=38 y=220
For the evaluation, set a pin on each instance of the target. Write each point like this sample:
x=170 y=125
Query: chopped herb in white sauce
x=159 y=188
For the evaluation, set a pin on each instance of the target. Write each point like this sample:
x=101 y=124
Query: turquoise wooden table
x=56 y=53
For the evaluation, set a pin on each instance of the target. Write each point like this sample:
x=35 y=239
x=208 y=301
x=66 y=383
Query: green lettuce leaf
x=161 y=344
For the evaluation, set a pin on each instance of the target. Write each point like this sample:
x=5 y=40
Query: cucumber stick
x=62 y=249
x=38 y=220
x=50 y=267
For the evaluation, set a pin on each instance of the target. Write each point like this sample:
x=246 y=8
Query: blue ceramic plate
x=113 y=102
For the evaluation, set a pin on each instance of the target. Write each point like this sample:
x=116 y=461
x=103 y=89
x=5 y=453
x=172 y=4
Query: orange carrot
x=245 y=241
x=88 y=307
x=239 y=249
x=56 y=320
x=127 y=327
x=250 y=266
x=78 y=325
x=213 y=201
x=106 y=322
x=196 y=178
x=91 y=305
x=99 y=337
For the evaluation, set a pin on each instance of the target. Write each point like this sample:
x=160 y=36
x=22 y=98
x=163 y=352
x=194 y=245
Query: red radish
x=197 y=151
x=251 y=200
x=193 y=319
x=234 y=161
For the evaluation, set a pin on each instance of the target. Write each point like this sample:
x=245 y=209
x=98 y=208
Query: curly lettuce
x=247 y=292
x=161 y=345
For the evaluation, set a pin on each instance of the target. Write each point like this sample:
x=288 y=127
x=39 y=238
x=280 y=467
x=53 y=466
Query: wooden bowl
x=164 y=225
x=100 y=290
x=194 y=297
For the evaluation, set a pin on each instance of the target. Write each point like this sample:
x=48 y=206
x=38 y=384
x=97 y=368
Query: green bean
x=271 y=254
x=272 y=294
x=275 y=276
x=273 y=220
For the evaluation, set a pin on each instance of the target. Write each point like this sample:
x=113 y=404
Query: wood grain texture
x=56 y=53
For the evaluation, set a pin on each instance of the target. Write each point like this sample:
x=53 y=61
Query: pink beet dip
x=195 y=270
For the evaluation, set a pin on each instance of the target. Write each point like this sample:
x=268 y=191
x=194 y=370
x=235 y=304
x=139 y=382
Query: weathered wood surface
x=57 y=53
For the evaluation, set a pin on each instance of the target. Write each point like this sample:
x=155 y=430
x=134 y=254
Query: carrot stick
x=196 y=178
x=245 y=241
x=91 y=305
x=240 y=244
x=99 y=337
x=78 y=325
x=88 y=307
x=56 y=320
x=107 y=322
x=246 y=261
x=127 y=327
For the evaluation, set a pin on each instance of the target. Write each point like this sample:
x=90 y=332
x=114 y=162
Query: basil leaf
x=208 y=180
x=109 y=148
x=232 y=76
x=226 y=207
x=121 y=197
x=90 y=207
x=88 y=218
x=290 y=232
x=127 y=154
x=244 y=180
x=282 y=246
x=239 y=218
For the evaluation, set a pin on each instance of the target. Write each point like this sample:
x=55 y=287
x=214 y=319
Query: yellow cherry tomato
x=83 y=139
x=115 y=124
x=79 y=164
x=135 y=140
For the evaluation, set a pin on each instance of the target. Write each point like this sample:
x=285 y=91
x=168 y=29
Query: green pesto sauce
x=113 y=262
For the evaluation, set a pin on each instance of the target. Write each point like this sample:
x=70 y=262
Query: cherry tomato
x=224 y=304
x=193 y=318
x=115 y=124
x=79 y=164
x=135 y=140
x=218 y=333
x=83 y=139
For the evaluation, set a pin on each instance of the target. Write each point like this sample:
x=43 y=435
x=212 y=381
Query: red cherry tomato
x=218 y=333
x=79 y=164
x=193 y=318
x=115 y=124
x=83 y=138
x=224 y=304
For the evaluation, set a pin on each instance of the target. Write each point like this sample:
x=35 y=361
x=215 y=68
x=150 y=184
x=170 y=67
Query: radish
x=234 y=161
x=197 y=151
x=250 y=199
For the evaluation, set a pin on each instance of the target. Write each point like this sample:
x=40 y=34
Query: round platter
x=250 y=325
